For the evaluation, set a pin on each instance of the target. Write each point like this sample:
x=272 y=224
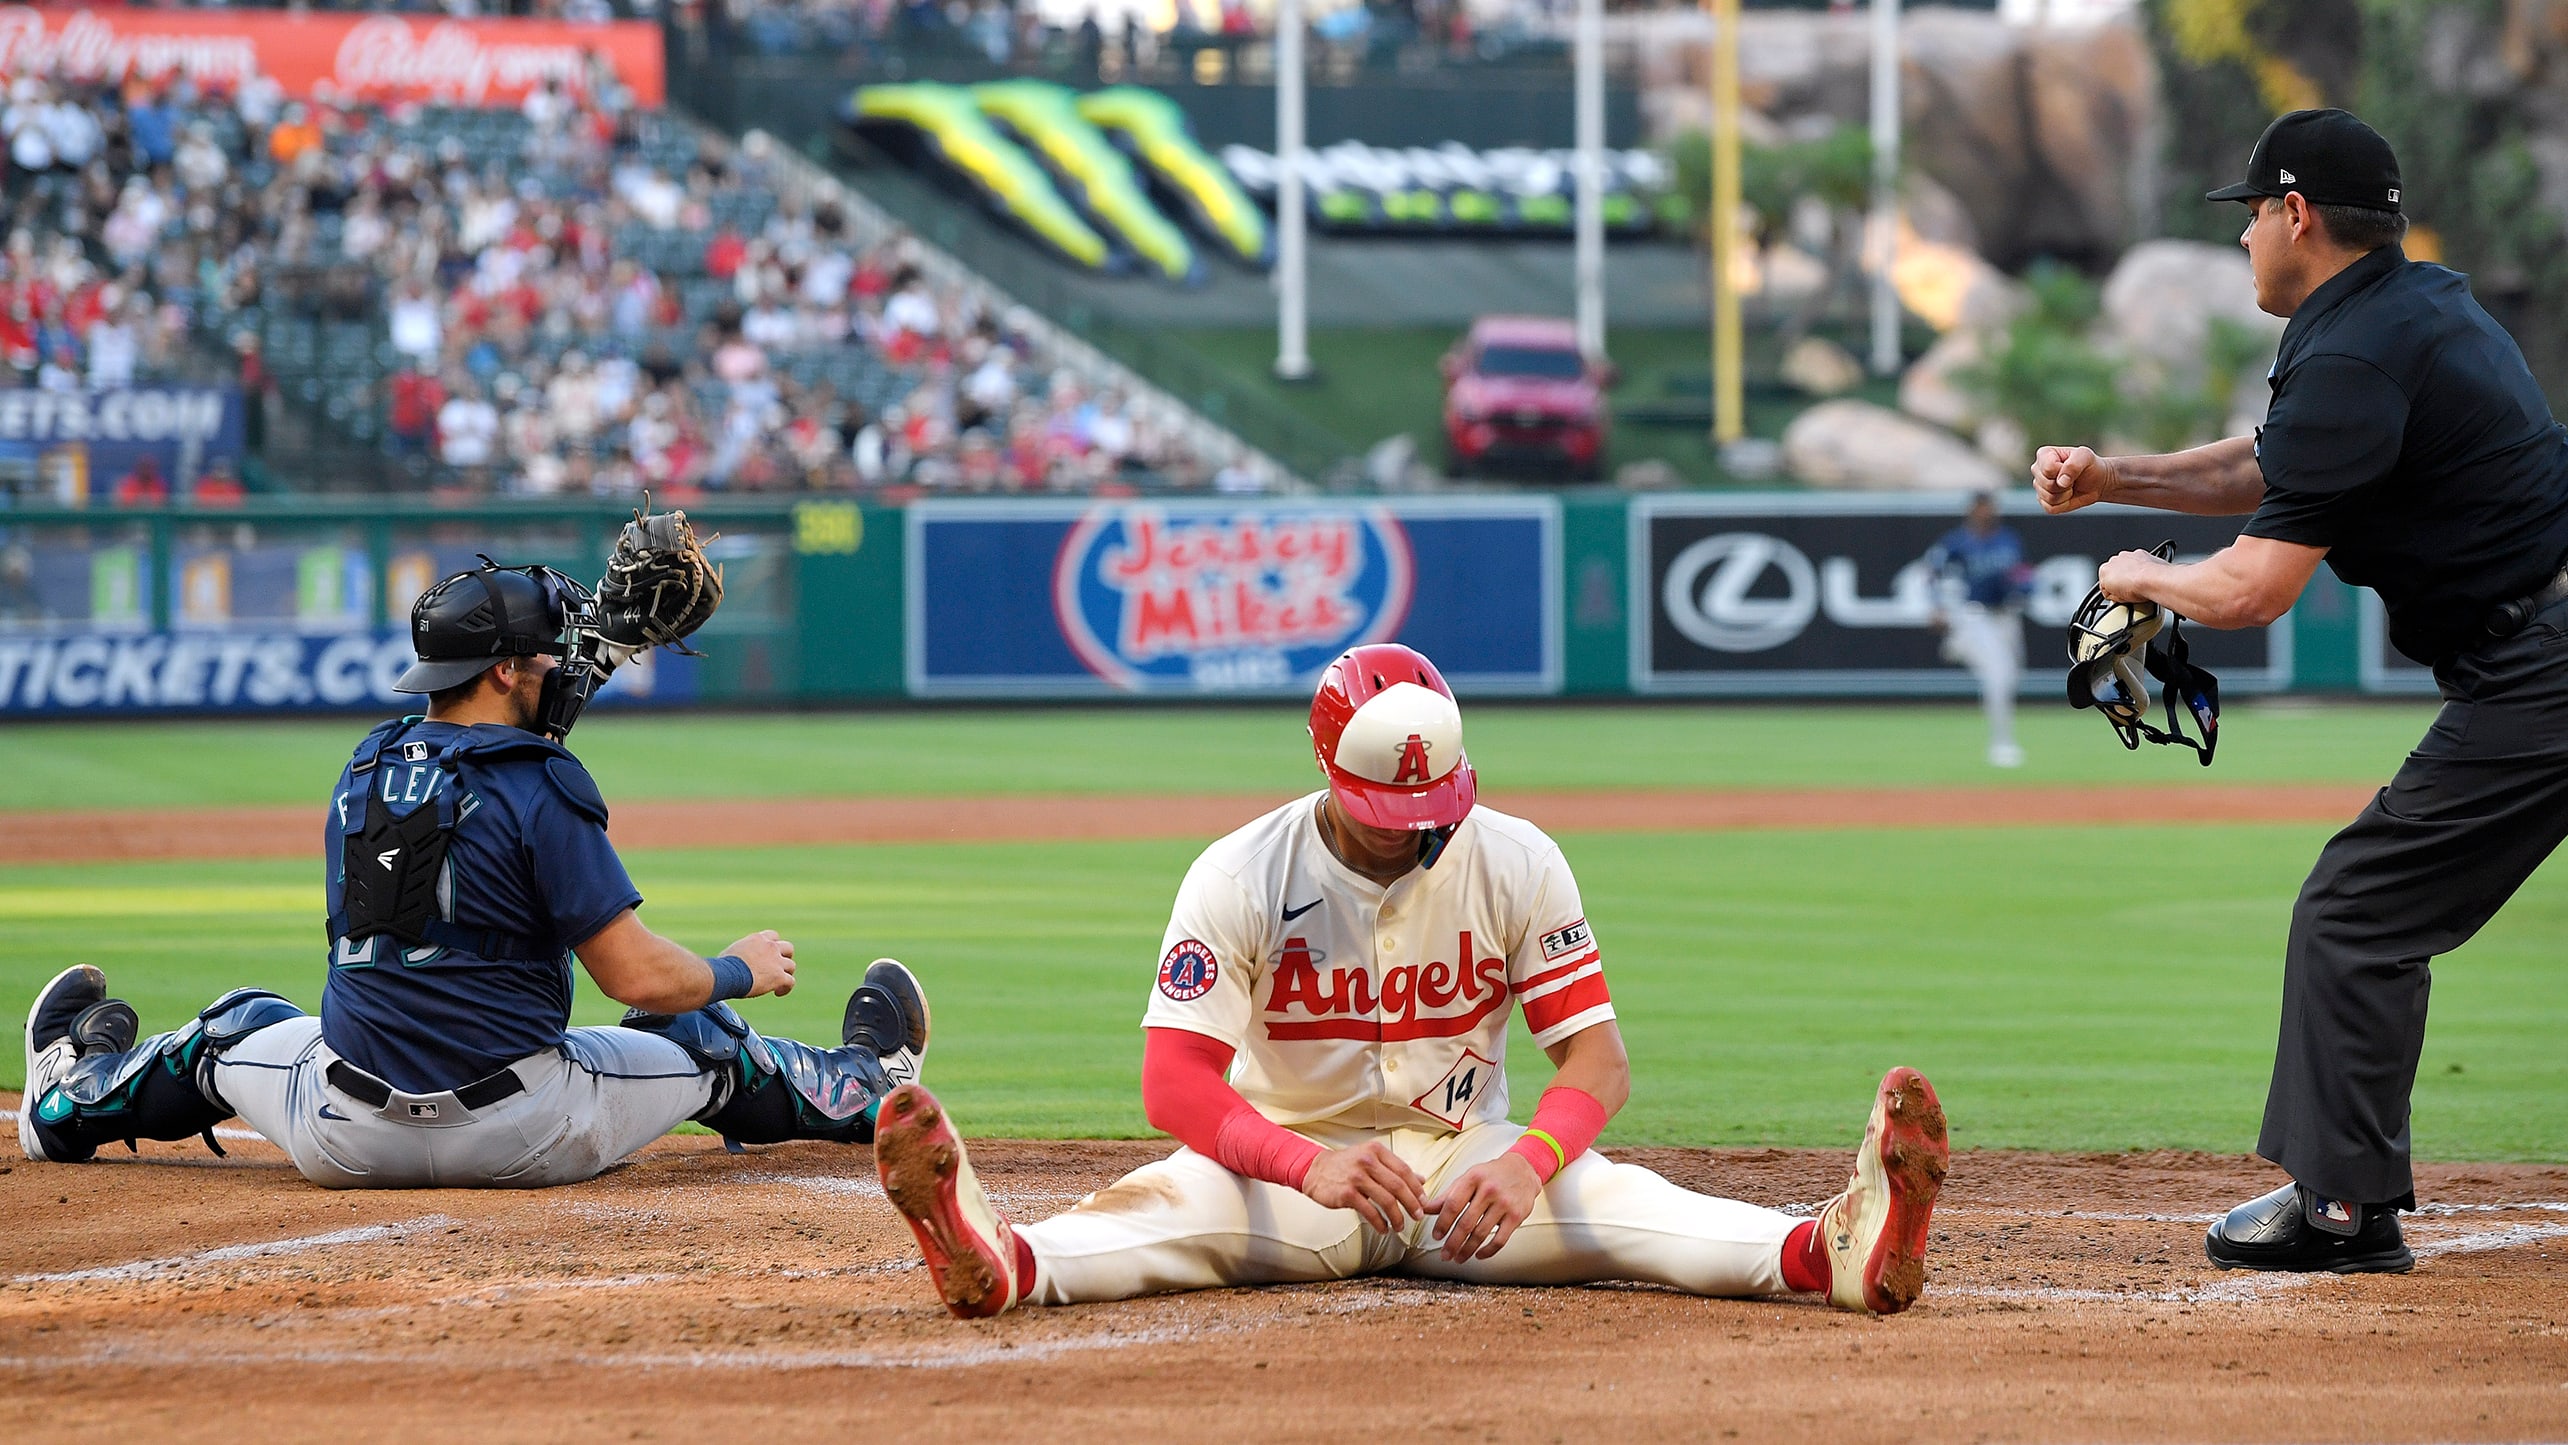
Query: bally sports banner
x=1828 y=594
x=1080 y=599
x=377 y=57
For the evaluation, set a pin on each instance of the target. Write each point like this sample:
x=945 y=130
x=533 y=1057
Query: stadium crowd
x=573 y=295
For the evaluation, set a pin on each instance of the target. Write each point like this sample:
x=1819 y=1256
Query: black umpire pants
x=2474 y=810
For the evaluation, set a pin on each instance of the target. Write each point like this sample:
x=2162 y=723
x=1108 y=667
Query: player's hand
x=771 y=962
x=1372 y=1181
x=2067 y=478
x=2125 y=574
x=1478 y=1213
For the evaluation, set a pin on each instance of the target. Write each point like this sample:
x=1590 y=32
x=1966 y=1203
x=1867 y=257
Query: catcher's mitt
x=659 y=585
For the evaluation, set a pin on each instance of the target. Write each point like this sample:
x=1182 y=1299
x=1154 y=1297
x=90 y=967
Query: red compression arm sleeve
x=1184 y=1095
x=1572 y=1117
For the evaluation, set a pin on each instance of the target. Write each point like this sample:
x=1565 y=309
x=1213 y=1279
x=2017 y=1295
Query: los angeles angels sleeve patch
x=1187 y=973
x=1571 y=938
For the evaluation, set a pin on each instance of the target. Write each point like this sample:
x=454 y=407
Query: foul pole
x=1729 y=409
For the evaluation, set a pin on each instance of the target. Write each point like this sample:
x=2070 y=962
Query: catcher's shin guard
x=89 y=1083
x=767 y=1091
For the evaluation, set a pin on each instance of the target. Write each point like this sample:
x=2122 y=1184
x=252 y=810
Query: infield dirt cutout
x=694 y=1295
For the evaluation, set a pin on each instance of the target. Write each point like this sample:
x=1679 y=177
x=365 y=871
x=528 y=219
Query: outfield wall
x=298 y=606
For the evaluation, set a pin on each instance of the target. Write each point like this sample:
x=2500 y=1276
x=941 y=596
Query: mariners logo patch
x=1562 y=942
x=1187 y=973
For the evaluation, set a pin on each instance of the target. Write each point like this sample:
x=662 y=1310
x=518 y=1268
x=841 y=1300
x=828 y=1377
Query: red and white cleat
x=1876 y=1230
x=970 y=1248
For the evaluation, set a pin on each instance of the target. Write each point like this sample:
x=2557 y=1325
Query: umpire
x=2409 y=447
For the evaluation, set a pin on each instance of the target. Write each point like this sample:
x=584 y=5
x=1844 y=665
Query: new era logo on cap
x=2328 y=156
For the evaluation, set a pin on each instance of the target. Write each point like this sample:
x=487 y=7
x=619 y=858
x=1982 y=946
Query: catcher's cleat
x=2296 y=1230
x=1876 y=1230
x=888 y=1015
x=77 y=996
x=970 y=1248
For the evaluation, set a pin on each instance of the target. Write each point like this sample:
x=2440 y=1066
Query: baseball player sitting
x=1327 y=1040
x=468 y=862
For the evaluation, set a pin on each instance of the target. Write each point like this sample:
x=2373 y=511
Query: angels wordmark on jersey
x=1378 y=1007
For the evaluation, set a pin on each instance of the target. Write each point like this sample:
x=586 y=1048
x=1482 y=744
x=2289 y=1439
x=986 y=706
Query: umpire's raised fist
x=2067 y=478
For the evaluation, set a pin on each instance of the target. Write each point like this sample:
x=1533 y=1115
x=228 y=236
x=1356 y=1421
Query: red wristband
x=1565 y=1126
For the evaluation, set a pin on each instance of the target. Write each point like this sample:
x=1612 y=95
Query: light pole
x=1885 y=207
x=1292 y=318
x=1590 y=106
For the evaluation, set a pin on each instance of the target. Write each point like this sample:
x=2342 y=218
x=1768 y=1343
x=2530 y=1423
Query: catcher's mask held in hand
x=2110 y=645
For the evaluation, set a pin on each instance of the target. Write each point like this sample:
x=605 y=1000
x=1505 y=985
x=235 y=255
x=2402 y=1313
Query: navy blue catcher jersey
x=528 y=857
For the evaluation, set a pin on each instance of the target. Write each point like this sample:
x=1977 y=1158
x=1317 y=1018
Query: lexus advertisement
x=1831 y=595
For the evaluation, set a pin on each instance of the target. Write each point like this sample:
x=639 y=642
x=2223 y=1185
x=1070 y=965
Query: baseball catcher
x=1327 y=1039
x=467 y=865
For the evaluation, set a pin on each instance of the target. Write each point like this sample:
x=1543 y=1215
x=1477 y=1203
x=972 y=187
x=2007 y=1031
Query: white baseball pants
x=604 y=1094
x=1188 y=1223
x=1990 y=642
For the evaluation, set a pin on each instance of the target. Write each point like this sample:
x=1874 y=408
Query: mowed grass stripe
x=1260 y=749
x=2074 y=988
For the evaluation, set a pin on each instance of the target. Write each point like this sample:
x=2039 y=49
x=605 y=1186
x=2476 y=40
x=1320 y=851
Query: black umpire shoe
x=887 y=1014
x=2294 y=1229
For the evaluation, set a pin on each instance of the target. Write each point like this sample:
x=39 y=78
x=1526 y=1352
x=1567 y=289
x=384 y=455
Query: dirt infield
x=110 y=836
x=694 y=1295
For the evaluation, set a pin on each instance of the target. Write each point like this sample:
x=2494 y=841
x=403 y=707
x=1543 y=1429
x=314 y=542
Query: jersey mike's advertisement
x=1817 y=595
x=1046 y=599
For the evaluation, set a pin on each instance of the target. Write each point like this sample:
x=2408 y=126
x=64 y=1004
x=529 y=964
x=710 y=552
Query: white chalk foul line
x=300 y=1244
x=251 y=1136
x=2254 y=1288
x=982 y=1350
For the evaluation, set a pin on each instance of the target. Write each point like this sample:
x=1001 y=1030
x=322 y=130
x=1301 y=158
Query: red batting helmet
x=1389 y=738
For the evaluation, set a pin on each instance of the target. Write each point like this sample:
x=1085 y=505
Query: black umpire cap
x=473 y=619
x=2328 y=156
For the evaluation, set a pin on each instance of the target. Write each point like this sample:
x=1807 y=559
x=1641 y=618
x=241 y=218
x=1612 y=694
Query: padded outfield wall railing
x=285 y=605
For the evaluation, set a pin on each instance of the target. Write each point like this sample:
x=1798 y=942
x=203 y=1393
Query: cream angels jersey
x=1374 y=1007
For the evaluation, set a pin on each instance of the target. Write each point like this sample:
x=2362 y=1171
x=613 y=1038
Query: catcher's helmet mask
x=2110 y=645
x=471 y=620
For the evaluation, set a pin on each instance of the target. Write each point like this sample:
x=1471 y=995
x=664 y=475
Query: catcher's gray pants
x=602 y=1095
x=2479 y=804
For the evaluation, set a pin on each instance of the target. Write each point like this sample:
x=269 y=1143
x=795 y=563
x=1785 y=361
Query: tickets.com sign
x=1048 y=599
x=115 y=672
x=367 y=57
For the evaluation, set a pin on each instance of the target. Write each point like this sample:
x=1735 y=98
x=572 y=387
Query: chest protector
x=394 y=880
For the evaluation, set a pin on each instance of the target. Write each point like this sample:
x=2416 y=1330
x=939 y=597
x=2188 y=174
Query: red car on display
x=1518 y=395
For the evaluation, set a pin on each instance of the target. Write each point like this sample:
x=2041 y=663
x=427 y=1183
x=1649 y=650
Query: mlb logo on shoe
x=2336 y=1211
x=1562 y=942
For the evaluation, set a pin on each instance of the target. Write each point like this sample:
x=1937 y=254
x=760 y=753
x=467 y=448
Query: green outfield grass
x=2066 y=989
x=1246 y=749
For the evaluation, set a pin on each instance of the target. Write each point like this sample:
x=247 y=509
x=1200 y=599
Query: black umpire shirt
x=2408 y=437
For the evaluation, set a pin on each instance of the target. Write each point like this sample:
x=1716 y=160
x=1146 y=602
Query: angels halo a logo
x=1211 y=599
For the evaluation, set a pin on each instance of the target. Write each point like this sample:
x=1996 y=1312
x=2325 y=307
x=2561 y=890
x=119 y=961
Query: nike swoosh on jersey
x=1292 y=913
